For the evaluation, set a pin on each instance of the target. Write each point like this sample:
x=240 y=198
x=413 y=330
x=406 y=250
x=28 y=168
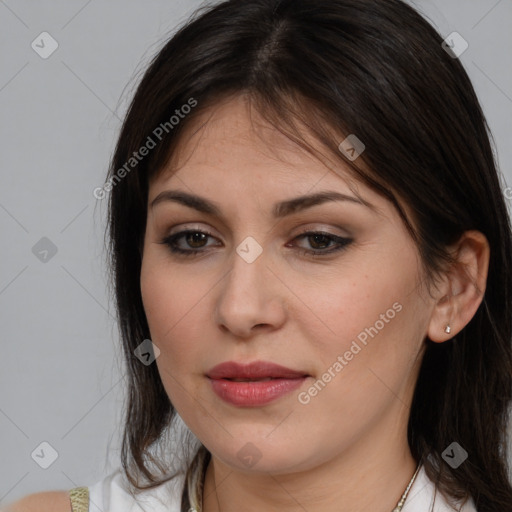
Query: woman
x=311 y=259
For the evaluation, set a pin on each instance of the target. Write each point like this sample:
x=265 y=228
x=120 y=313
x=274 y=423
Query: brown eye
x=195 y=242
x=323 y=243
x=319 y=241
x=196 y=239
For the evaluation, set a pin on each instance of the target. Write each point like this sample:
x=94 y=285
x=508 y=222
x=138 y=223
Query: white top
x=110 y=495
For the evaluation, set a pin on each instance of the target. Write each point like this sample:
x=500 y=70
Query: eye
x=193 y=237
x=322 y=243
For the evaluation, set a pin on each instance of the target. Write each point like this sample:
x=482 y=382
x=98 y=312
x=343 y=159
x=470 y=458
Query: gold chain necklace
x=398 y=507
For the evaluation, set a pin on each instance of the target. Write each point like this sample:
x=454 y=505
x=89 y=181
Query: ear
x=462 y=287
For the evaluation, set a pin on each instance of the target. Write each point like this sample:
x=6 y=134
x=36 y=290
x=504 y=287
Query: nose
x=250 y=298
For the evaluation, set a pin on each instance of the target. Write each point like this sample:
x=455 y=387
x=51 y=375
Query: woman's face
x=349 y=321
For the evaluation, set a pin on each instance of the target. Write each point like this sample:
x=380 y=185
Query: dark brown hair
x=374 y=68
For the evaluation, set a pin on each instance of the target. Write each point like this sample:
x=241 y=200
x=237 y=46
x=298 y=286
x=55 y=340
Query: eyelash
x=171 y=242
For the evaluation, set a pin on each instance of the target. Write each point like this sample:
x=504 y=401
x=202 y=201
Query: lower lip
x=254 y=393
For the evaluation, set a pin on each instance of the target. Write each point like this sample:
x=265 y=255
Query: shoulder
x=50 y=501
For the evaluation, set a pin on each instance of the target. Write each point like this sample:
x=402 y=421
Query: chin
x=257 y=454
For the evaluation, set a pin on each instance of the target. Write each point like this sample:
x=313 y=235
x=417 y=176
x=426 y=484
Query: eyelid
x=303 y=229
x=328 y=229
x=191 y=227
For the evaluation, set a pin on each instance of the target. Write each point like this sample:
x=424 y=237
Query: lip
x=253 y=391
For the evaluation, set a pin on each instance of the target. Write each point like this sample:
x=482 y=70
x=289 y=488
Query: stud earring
x=447 y=329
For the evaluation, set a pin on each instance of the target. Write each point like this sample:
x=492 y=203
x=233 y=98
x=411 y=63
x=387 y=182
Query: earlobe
x=463 y=287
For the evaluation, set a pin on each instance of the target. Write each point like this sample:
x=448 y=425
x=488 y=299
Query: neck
x=368 y=476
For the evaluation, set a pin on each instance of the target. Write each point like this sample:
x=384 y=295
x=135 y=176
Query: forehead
x=232 y=137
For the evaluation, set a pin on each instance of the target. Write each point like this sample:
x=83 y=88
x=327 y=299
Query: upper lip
x=253 y=370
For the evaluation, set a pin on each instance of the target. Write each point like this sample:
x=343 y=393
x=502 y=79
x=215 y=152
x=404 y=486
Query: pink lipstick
x=253 y=384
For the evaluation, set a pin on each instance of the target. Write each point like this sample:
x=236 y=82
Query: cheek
x=371 y=318
x=171 y=306
x=340 y=308
x=362 y=366
x=174 y=303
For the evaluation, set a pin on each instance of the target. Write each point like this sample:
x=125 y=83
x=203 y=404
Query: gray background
x=61 y=373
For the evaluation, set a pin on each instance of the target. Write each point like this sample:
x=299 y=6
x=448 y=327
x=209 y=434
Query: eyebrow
x=281 y=209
